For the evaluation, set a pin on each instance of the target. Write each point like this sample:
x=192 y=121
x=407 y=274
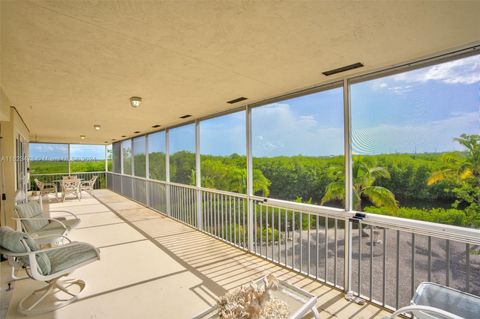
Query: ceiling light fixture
x=185 y=116
x=156 y=125
x=135 y=101
x=82 y=137
x=97 y=127
x=136 y=132
x=124 y=136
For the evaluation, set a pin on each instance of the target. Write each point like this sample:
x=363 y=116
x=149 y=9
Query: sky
x=417 y=111
x=41 y=151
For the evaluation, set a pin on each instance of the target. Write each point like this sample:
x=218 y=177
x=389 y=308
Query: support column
x=147 y=172
x=167 y=173
x=198 y=176
x=348 y=186
x=249 y=177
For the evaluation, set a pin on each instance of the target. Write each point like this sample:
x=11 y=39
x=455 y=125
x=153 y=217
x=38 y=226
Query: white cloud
x=463 y=71
x=395 y=89
x=278 y=130
x=434 y=136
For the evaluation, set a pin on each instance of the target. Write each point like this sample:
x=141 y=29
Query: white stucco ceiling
x=67 y=65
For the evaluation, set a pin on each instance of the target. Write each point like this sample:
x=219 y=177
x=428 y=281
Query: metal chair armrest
x=53 y=237
x=43 y=218
x=64 y=211
x=428 y=309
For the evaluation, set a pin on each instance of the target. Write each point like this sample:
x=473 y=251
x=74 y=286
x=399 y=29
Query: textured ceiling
x=67 y=65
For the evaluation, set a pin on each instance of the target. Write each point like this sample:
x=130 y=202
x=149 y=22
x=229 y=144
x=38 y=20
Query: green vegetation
x=438 y=187
x=450 y=216
x=61 y=167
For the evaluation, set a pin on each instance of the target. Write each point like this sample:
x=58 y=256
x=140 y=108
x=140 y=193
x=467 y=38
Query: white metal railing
x=57 y=177
x=380 y=258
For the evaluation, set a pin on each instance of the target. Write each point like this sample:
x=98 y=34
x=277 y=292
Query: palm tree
x=364 y=178
x=458 y=167
x=464 y=171
x=363 y=187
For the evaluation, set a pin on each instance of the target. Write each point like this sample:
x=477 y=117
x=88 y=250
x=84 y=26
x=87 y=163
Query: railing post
x=167 y=173
x=68 y=154
x=198 y=176
x=249 y=177
x=348 y=186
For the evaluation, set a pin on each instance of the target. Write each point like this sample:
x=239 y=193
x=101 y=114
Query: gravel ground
x=372 y=259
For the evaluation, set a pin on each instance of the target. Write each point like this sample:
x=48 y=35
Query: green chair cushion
x=73 y=254
x=70 y=223
x=31 y=209
x=11 y=240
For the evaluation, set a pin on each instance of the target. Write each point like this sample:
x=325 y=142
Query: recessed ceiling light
x=240 y=99
x=82 y=137
x=114 y=139
x=136 y=132
x=97 y=127
x=156 y=125
x=135 y=101
x=185 y=116
x=106 y=142
x=124 y=136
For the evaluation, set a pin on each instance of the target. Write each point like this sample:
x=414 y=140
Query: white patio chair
x=46 y=188
x=87 y=186
x=434 y=301
x=69 y=177
x=71 y=186
x=47 y=265
x=30 y=219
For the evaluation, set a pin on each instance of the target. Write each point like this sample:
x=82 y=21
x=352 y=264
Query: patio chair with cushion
x=71 y=186
x=434 y=301
x=46 y=188
x=47 y=265
x=87 y=186
x=45 y=230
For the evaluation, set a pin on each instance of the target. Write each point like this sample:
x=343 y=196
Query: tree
x=464 y=171
x=364 y=177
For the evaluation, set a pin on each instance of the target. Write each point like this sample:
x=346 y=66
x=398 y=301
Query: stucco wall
x=10 y=129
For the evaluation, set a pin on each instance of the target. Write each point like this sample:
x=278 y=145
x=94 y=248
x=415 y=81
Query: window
x=48 y=158
x=117 y=158
x=182 y=154
x=298 y=149
x=222 y=146
x=127 y=157
x=87 y=158
x=139 y=161
x=411 y=133
x=157 y=156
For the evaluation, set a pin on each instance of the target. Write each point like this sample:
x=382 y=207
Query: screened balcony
x=153 y=266
x=332 y=144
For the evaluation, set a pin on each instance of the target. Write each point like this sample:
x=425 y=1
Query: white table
x=299 y=301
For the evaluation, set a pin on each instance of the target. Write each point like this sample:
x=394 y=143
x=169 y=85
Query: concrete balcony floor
x=154 y=267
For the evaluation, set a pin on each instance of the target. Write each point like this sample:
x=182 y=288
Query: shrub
x=437 y=215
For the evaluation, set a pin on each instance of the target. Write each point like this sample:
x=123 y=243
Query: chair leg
x=14 y=275
x=53 y=287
